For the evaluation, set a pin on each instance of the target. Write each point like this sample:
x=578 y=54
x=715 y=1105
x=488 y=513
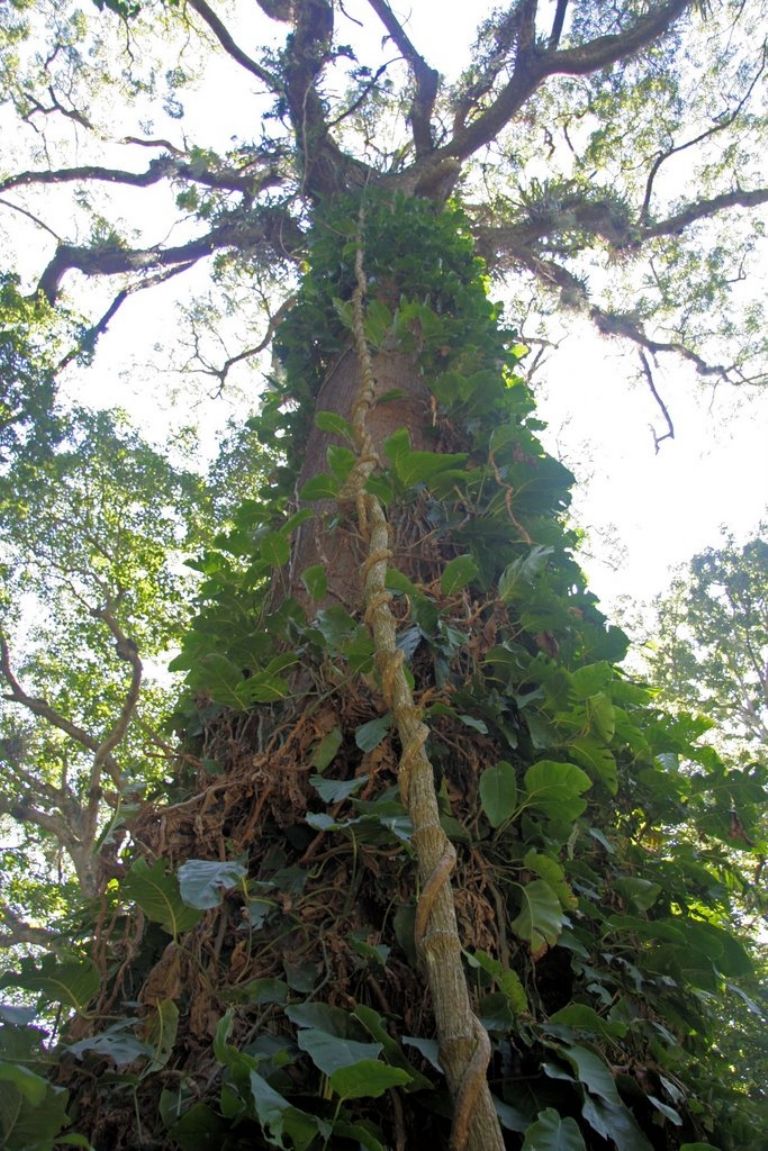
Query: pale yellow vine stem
x=465 y=1048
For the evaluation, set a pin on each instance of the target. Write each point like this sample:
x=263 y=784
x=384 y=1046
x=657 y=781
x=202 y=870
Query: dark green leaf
x=371 y=734
x=541 y=917
x=158 y=896
x=315 y=580
x=328 y=421
x=498 y=792
x=202 y=882
x=457 y=574
x=552 y=1133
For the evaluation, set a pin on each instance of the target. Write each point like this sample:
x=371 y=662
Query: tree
x=88 y=561
x=407 y=760
x=712 y=649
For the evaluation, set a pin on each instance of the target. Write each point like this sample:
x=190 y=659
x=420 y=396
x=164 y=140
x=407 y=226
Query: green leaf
x=601 y=716
x=541 y=917
x=370 y=734
x=217 y=676
x=508 y=981
x=315 y=580
x=33 y=1087
x=199 y=1129
x=324 y=752
x=583 y=1018
x=71 y=982
x=275 y=549
x=552 y=1133
x=277 y=1116
x=27 y=1126
x=202 y=882
x=522 y=572
x=336 y=790
x=614 y=1124
x=158 y=896
x=597 y=759
x=641 y=893
x=555 y=789
x=593 y=678
x=367 y=1079
x=320 y=487
x=592 y=1072
x=328 y=421
x=331 y=1053
x=457 y=573
x=498 y=792
x=117 y=1043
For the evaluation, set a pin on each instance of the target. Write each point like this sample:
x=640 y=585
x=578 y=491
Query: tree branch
x=268 y=227
x=670 y=432
x=533 y=67
x=40 y=707
x=721 y=124
x=426 y=78
x=702 y=209
x=224 y=38
x=164 y=167
x=91 y=336
x=557 y=25
x=126 y=649
x=18 y=930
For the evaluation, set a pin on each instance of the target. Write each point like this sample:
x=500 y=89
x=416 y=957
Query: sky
x=644 y=512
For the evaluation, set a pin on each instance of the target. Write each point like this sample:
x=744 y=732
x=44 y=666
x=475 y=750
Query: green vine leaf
x=71 y=982
x=498 y=792
x=541 y=918
x=457 y=573
x=158 y=896
x=552 y=1133
x=203 y=882
x=556 y=788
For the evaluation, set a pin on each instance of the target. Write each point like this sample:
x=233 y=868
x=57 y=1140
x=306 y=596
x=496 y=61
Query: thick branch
x=702 y=209
x=720 y=125
x=269 y=227
x=164 y=167
x=426 y=78
x=557 y=25
x=15 y=930
x=533 y=66
x=224 y=38
x=40 y=707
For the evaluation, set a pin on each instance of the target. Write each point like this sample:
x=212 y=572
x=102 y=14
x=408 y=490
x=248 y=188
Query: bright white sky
x=655 y=510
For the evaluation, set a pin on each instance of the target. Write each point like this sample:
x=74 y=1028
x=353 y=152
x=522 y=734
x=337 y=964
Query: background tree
x=408 y=758
x=712 y=649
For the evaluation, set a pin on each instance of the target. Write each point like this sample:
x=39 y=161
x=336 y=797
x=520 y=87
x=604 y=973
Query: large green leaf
x=158 y=896
x=592 y=754
x=556 y=788
x=498 y=792
x=369 y=1078
x=31 y=1126
x=457 y=573
x=202 y=882
x=277 y=1116
x=541 y=917
x=330 y=1053
x=550 y=1132
x=71 y=982
x=592 y=1072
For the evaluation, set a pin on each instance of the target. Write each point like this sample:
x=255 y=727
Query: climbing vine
x=276 y=907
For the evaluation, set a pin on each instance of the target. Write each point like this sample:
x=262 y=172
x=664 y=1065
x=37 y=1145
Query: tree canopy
x=409 y=857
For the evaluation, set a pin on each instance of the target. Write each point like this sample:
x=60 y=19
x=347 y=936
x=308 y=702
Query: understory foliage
x=250 y=978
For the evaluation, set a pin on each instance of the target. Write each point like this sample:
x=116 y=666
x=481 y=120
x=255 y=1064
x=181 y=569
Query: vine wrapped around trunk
x=397 y=678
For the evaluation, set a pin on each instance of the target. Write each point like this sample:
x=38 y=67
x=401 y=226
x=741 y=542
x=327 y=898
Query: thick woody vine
x=464 y=1044
x=461 y=706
